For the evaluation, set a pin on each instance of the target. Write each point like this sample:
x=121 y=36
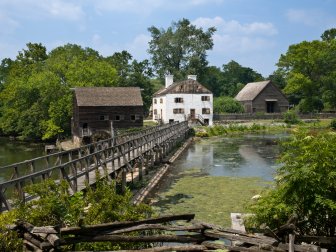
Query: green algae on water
x=212 y=199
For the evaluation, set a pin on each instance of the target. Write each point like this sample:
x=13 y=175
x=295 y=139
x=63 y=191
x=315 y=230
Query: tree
x=234 y=74
x=181 y=49
x=4 y=70
x=329 y=35
x=305 y=186
x=309 y=69
x=36 y=100
x=213 y=79
x=133 y=73
x=278 y=77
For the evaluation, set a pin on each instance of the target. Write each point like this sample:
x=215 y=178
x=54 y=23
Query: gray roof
x=184 y=87
x=108 y=96
x=251 y=90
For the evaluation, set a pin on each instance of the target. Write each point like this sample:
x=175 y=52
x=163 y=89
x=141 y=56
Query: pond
x=217 y=176
x=12 y=151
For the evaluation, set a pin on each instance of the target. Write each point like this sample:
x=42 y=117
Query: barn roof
x=251 y=90
x=108 y=96
x=187 y=86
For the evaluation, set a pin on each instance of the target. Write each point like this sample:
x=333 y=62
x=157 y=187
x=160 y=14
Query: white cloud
x=147 y=6
x=243 y=42
x=235 y=27
x=315 y=18
x=235 y=37
x=60 y=9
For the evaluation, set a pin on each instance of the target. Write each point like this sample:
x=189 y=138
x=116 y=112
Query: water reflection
x=16 y=151
x=245 y=156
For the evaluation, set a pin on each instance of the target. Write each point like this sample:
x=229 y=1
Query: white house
x=183 y=100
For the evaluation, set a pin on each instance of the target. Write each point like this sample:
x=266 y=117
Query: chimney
x=169 y=80
x=192 y=77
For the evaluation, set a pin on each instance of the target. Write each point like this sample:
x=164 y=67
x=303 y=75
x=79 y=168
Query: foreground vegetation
x=57 y=207
x=305 y=186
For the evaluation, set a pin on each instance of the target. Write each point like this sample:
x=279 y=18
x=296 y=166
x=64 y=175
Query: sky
x=252 y=32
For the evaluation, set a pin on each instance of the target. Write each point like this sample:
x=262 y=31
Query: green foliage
x=181 y=49
x=227 y=104
x=305 y=186
x=9 y=240
x=333 y=124
x=290 y=117
x=35 y=96
x=219 y=130
x=55 y=206
x=230 y=80
x=236 y=76
x=309 y=71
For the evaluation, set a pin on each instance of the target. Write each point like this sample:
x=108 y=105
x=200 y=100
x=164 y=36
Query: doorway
x=270 y=106
x=192 y=113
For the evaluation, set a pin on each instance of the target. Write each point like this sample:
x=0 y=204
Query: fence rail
x=111 y=158
x=271 y=116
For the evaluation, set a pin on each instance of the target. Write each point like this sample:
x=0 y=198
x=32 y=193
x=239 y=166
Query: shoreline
x=141 y=195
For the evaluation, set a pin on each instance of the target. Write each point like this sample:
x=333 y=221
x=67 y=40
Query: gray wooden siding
x=270 y=92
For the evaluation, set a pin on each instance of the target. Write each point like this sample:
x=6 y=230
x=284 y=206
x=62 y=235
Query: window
x=135 y=117
x=205 y=111
x=155 y=111
x=161 y=100
x=178 y=100
x=178 y=111
x=154 y=101
x=103 y=117
x=119 y=117
x=171 y=120
x=206 y=98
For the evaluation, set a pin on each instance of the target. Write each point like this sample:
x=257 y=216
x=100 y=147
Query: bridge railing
x=78 y=167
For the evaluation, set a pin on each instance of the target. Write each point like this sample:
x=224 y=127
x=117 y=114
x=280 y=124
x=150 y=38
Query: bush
x=9 y=240
x=290 y=117
x=55 y=206
x=305 y=186
x=227 y=104
x=333 y=124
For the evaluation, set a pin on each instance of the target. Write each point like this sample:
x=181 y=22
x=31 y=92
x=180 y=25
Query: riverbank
x=258 y=126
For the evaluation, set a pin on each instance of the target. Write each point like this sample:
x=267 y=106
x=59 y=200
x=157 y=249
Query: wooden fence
x=270 y=116
x=164 y=234
x=114 y=157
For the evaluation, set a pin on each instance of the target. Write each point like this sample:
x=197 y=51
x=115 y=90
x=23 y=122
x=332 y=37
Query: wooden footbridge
x=114 y=158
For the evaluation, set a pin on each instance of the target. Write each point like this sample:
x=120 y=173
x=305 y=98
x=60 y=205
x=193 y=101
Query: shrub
x=9 y=240
x=55 y=206
x=305 y=186
x=290 y=117
x=333 y=124
x=227 y=104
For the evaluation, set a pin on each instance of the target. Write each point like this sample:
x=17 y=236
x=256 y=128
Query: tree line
x=35 y=87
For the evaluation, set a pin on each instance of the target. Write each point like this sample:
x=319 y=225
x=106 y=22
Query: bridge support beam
x=123 y=180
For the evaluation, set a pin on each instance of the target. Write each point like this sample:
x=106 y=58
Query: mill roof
x=251 y=90
x=186 y=86
x=108 y=96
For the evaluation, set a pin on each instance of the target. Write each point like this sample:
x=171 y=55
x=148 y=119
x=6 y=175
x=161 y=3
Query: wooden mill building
x=264 y=97
x=95 y=109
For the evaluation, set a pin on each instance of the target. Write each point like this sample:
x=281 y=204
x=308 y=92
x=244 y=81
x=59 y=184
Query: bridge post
x=141 y=163
x=123 y=180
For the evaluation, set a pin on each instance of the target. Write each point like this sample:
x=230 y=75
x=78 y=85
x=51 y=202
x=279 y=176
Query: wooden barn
x=95 y=109
x=263 y=96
